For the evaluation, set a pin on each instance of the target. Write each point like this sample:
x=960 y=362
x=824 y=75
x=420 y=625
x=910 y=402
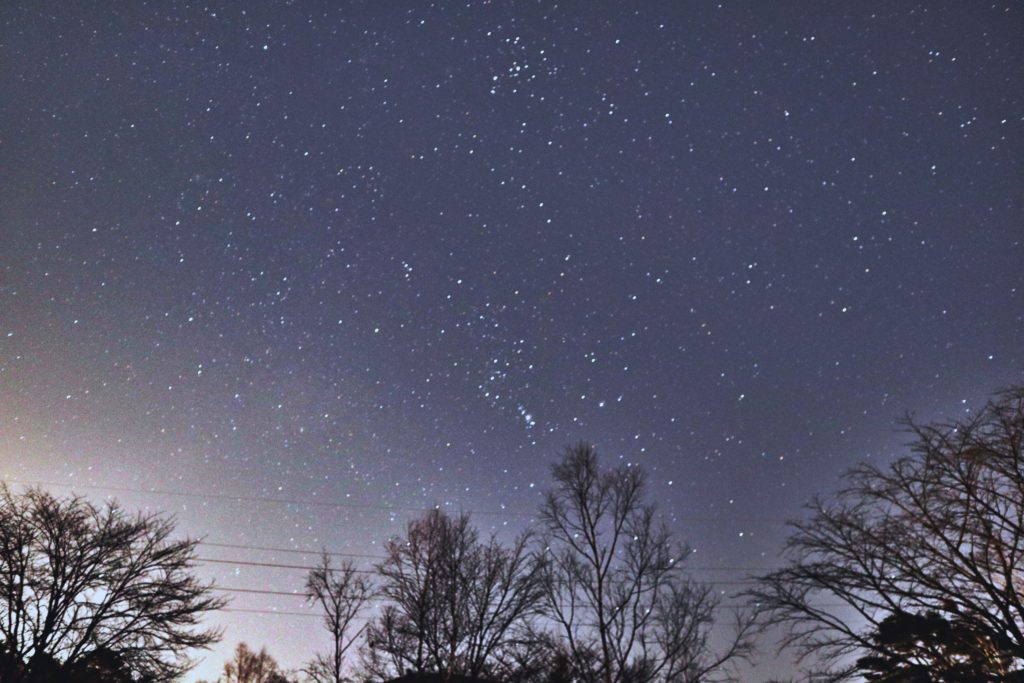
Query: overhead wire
x=351 y=505
x=274 y=565
x=332 y=553
x=296 y=551
x=329 y=553
x=256 y=499
x=270 y=611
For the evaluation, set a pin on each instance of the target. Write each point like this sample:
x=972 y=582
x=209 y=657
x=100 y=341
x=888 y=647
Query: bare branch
x=614 y=586
x=937 y=535
x=79 y=582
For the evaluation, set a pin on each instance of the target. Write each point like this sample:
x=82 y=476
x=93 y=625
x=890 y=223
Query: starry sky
x=306 y=268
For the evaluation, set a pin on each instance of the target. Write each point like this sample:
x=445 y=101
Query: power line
x=284 y=613
x=274 y=565
x=257 y=591
x=330 y=553
x=306 y=567
x=269 y=565
x=257 y=499
x=237 y=546
x=269 y=611
x=356 y=506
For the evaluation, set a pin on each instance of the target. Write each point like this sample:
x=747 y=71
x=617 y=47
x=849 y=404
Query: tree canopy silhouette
x=454 y=602
x=928 y=648
x=936 y=537
x=85 y=587
x=250 y=666
x=614 y=582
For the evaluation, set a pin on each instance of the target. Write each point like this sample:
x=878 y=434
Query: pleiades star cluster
x=295 y=271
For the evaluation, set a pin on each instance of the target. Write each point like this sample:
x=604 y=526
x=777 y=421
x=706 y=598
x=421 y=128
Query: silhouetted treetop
x=933 y=541
x=89 y=588
x=614 y=584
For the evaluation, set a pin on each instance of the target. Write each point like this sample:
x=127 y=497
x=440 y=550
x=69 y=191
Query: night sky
x=383 y=256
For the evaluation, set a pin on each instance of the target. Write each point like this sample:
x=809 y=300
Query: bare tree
x=614 y=582
x=454 y=601
x=938 y=535
x=76 y=580
x=542 y=657
x=393 y=647
x=342 y=593
x=249 y=666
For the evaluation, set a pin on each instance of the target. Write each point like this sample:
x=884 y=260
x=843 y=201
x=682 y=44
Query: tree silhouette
x=938 y=536
x=99 y=666
x=542 y=657
x=928 y=648
x=79 y=583
x=249 y=666
x=454 y=601
x=342 y=593
x=614 y=584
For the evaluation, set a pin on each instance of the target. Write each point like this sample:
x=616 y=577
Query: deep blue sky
x=400 y=254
